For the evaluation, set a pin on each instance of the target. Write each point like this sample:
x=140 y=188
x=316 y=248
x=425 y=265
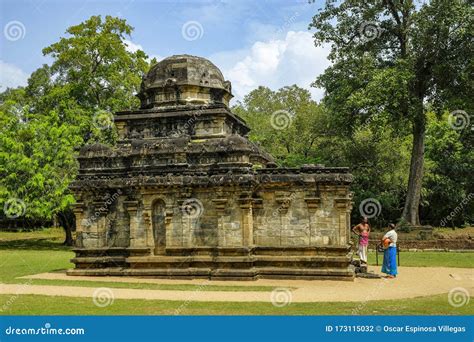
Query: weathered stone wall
x=287 y=219
x=213 y=217
x=203 y=220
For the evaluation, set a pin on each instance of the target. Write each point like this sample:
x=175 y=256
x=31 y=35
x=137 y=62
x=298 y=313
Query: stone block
x=268 y=241
x=295 y=241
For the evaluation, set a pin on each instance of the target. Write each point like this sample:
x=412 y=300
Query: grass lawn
x=22 y=262
x=431 y=259
x=438 y=232
x=54 y=234
x=45 y=305
x=28 y=253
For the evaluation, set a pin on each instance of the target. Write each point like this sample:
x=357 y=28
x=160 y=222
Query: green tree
x=62 y=107
x=36 y=163
x=94 y=63
x=393 y=58
x=378 y=158
x=284 y=122
x=448 y=179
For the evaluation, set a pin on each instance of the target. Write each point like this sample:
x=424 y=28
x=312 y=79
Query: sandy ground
x=411 y=282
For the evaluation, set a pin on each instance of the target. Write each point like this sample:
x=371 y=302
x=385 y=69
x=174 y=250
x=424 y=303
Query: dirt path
x=412 y=282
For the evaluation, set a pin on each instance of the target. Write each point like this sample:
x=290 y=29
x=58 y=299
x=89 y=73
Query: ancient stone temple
x=184 y=193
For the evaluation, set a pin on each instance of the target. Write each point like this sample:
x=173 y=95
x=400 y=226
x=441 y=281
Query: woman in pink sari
x=362 y=230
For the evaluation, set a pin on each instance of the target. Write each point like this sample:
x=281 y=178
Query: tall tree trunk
x=66 y=219
x=412 y=202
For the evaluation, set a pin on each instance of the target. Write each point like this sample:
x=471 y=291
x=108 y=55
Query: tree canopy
x=65 y=105
x=398 y=59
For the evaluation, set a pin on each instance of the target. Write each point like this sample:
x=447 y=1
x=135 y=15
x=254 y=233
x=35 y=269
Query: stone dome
x=184 y=80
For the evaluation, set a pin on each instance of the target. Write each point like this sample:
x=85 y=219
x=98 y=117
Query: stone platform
x=308 y=263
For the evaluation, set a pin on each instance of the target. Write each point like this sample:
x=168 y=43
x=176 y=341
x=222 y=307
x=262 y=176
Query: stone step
x=307 y=271
x=99 y=262
x=203 y=258
x=302 y=258
x=103 y=272
x=223 y=273
x=184 y=259
x=254 y=271
x=237 y=263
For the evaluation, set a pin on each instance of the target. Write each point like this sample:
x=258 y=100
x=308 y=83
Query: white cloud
x=11 y=76
x=275 y=63
x=132 y=47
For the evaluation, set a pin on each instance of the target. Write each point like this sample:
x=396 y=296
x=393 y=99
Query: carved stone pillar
x=147 y=221
x=283 y=201
x=186 y=224
x=313 y=204
x=246 y=221
x=219 y=206
x=169 y=225
x=137 y=238
x=343 y=206
x=99 y=223
x=78 y=210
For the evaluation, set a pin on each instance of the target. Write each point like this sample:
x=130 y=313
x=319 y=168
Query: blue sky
x=259 y=42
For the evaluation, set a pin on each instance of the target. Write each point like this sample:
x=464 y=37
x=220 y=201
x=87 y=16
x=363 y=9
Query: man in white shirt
x=392 y=235
x=390 y=255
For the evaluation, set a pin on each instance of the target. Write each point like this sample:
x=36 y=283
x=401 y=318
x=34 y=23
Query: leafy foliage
x=293 y=140
x=36 y=163
x=45 y=122
x=94 y=62
x=397 y=59
x=449 y=185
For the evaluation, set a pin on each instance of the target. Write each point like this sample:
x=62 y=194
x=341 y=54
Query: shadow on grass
x=34 y=244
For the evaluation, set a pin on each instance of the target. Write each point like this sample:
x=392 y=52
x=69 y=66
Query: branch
x=393 y=10
x=400 y=32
